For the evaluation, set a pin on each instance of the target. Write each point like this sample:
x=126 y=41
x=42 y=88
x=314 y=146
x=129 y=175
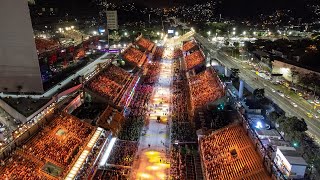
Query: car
x=294 y=104
x=273 y=90
x=287 y=96
x=314 y=115
x=310 y=115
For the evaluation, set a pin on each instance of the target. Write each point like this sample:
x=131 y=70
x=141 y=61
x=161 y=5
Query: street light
x=94 y=32
x=244 y=33
x=72 y=27
x=234 y=29
x=233 y=33
x=176 y=33
x=125 y=33
x=209 y=32
x=158 y=33
x=254 y=33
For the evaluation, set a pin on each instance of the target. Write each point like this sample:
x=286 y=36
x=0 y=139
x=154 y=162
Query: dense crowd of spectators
x=194 y=59
x=157 y=55
x=109 y=82
x=153 y=73
x=112 y=173
x=205 y=87
x=123 y=153
x=188 y=45
x=59 y=143
x=20 y=167
x=135 y=56
x=44 y=45
x=145 y=43
x=229 y=154
x=177 y=53
x=59 y=139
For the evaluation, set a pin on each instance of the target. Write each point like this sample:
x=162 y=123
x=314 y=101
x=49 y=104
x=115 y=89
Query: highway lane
x=249 y=77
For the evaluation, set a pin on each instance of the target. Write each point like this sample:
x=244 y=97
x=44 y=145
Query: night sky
x=231 y=8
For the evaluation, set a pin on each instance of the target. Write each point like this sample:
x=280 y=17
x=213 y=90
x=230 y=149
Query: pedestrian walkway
x=152 y=161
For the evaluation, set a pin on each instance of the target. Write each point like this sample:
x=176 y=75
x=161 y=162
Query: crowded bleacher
x=188 y=45
x=229 y=154
x=194 y=59
x=135 y=56
x=205 y=87
x=58 y=144
x=44 y=45
x=145 y=44
x=109 y=82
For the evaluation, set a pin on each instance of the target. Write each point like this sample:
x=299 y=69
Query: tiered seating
x=76 y=35
x=123 y=153
x=205 y=87
x=20 y=167
x=158 y=53
x=44 y=45
x=188 y=45
x=145 y=44
x=58 y=143
x=134 y=56
x=229 y=154
x=194 y=59
x=109 y=82
x=51 y=145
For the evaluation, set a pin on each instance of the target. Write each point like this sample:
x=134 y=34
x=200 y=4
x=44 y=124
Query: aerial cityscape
x=159 y=90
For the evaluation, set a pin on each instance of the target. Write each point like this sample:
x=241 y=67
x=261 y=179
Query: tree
x=258 y=94
x=294 y=74
x=235 y=74
x=273 y=116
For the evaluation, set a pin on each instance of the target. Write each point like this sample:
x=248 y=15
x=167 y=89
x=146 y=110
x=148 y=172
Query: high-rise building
x=112 y=19
x=19 y=66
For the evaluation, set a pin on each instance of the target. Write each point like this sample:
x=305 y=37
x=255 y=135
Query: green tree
x=235 y=74
x=258 y=94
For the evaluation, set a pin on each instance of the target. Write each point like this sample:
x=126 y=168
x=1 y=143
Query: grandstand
x=145 y=44
x=205 y=87
x=134 y=56
x=194 y=59
x=50 y=153
x=229 y=154
x=113 y=85
x=188 y=46
x=44 y=45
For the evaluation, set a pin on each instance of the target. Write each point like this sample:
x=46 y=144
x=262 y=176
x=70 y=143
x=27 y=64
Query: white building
x=19 y=65
x=290 y=162
x=112 y=20
x=268 y=134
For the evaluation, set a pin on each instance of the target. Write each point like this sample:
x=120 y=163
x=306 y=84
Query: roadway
x=257 y=82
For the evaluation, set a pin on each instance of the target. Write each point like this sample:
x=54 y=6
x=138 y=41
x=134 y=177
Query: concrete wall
x=19 y=64
x=279 y=67
x=14 y=113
